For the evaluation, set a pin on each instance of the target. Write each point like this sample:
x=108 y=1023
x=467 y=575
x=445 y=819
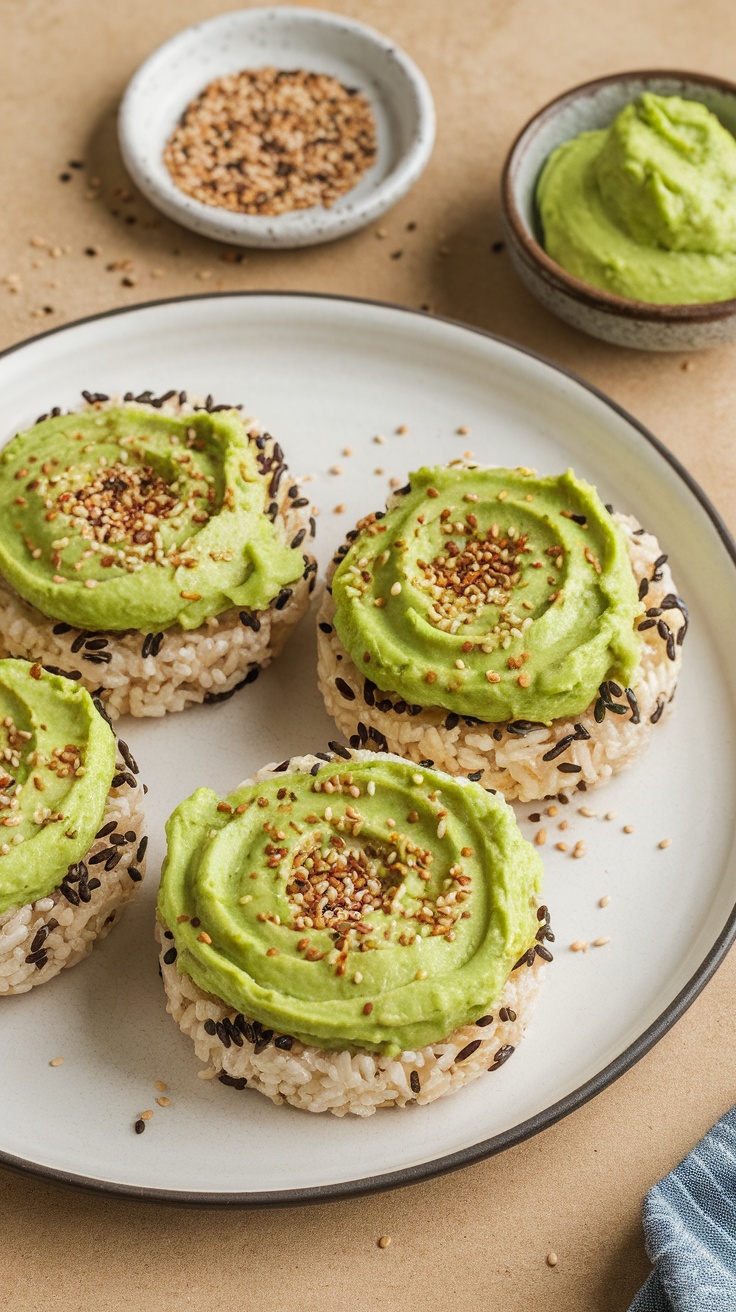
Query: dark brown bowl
x=639 y=324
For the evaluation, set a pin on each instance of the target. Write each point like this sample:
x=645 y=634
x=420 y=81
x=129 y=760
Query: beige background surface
x=477 y=1238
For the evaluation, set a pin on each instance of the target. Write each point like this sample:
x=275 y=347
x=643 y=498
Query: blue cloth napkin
x=690 y=1230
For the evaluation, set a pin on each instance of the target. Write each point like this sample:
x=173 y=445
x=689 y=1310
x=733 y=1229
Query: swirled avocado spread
x=646 y=208
x=491 y=592
x=369 y=904
x=57 y=761
x=122 y=518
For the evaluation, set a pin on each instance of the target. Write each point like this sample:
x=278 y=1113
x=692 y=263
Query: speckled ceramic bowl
x=616 y=319
x=283 y=37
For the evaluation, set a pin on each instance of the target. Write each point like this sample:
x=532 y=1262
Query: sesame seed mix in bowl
x=268 y=141
x=72 y=847
x=504 y=626
x=153 y=549
x=348 y=932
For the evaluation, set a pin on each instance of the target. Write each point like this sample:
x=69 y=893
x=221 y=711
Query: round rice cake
x=72 y=846
x=350 y=933
x=153 y=549
x=428 y=653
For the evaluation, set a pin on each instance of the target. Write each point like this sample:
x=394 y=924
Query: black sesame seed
x=210 y=1027
x=567 y=767
x=79 y=641
x=633 y=703
x=452 y=721
x=282 y=598
x=325 y=628
x=501 y=1056
x=140 y=1126
x=170 y=957
x=581 y=732
x=142 y=848
x=339 y=750
x=135 y=874
x=643 y=589
x=468 y=1050
x=645 y=624
x=39 y=937
x=414 y=1082
x=345 y=690
x=484 y=1020
x=559 y=747
x=61 y=628
x=599 y=711
x=106 y=829
x=498 y=735
x=232 y=1081
x=127 y=756
x=543 y=952
x=542 y=912
x=614 y=689
x=475 y=775
x=426 y=764
x=285 y=1042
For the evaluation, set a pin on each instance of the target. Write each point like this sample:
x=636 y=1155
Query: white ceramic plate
x=323 y=374
x=283 y=37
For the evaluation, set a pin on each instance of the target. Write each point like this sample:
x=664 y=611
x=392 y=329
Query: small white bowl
x=283 y=37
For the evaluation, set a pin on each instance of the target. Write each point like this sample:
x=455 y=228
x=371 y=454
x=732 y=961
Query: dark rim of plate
x=542 y=1120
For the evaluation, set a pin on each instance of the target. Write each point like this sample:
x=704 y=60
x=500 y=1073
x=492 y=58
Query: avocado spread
x=57 y=761
x=371 y=904
x=494 y=593
x=646 y=208
x=122 y=518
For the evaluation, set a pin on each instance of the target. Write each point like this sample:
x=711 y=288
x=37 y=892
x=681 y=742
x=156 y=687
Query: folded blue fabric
x=690 y=1230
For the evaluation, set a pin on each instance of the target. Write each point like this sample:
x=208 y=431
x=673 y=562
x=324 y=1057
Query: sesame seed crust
x=522 y=759
x=39 y=939
x=149 y=674
x=243 y=1054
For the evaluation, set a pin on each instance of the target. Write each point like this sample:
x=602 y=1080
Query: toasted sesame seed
x=628 y=829
x=561 y=847
x=164 y=1102
x=146 y=1116
x=586 y=811
x=610 y=815
x=384 y=1241
x=339 y=510
x=603 y=902
x=395 y=589
x=579 y=945
x=601 y=942
x=551 y=1258
x=463 y=430
x=160 y=1085
x=540 y=838
x=336 y=469
x=56 y=1061
x=204 y=937
x=421 y=974
x=664 y=842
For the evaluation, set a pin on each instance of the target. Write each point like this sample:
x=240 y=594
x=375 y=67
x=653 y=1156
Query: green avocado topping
x=372 y=904
x=57 y=761
x=122 y=518
x=493 y=593
x=645 y=208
